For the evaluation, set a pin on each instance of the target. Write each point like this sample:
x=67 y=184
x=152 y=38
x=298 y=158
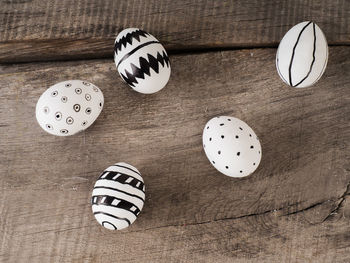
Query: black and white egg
x=231 y=146
x=141 y=60
x=302 y=55
x=69 y=107
x=118 y=196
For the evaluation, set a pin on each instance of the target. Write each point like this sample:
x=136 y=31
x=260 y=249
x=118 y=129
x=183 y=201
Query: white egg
x=302 y=55
x=69 y=107
x=141 y=60
x=118 y=196
x=231 y=146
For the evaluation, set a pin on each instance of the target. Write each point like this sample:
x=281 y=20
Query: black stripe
x=103 y=222
x=135 y=49
x=108 y=201
x=122 y=183
x=117 y=190
x=127 y=168
x=291 y=60
x=107 y=214
x=313 y=60
x=122 y=179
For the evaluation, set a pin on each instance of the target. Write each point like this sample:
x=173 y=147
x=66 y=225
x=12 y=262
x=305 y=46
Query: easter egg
x=141 y=60
x=118 y=196
x=69 y=107
x=302 y=55
x=231 y=146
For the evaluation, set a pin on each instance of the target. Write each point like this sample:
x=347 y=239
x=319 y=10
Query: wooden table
x=294 y=208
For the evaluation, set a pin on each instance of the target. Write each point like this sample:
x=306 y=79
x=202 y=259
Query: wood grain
x=294 y=208
x=35 y=30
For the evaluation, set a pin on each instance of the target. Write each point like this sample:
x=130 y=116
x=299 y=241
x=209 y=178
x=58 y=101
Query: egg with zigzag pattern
x=141 y=60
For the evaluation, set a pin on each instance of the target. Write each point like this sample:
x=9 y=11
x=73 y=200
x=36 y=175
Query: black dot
x=229 y=119
x=207 y=127
x=251 y=147
x=221 y=124
x=219 y=152
x=213 y=162
x=222 y=136
x=250 y=135
x=253 y=163
x=237 y=137
x=241 y=171
x=210 y=139
x=238 y=153
x=240 y=128
x=226 y=167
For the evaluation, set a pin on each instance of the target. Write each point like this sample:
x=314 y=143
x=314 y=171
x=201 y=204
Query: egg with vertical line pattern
x=141 y=60
x=118 y=196
x=69 y=107
x=231 y=146
x=302 y=55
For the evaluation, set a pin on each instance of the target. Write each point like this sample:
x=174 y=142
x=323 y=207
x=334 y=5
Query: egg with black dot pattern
x=118 y=196
x=231 y=146
x=69 y=107
x=141 y=60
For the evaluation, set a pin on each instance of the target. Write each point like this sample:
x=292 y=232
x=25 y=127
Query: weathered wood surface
x=294 y=208
x=34 y=30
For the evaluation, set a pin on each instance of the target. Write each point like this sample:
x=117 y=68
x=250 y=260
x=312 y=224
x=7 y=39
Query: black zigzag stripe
x=145 y=66
x=122 y=204
x=127 y=39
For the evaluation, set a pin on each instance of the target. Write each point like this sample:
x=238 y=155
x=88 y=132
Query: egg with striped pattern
x=118 y=196
x=302 y=55
x=141 y=60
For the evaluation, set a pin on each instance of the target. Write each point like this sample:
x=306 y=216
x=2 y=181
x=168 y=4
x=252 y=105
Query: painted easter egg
x=141 y=60
x=118 y=196
x=69 y=107
x=302 y=55
x=231 y=146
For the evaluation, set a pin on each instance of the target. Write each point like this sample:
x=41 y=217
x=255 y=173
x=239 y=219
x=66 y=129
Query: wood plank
x=34 y=30
x=294 y=208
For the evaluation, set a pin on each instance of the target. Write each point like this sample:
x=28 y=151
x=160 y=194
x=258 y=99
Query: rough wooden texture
x=294 y=208
x=64 y=29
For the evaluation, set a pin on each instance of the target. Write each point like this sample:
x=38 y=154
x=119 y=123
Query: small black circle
x=76 y=107
x=250 y=135
x=226 y=167
x=237 y=137
x=221 y=124
x=241 y=128
x=222 y=136
x=213 y=162
x=251 y=147
x=54 y=93
x=68 y=85
x=100 y=104
x=229 y=119
x=219 y=152
x=238 y=153
x=253 y=163
x=69 y=120
x=207 y=127
x=49 y=126
x=210 y=139
x=64 y=99
x=78 y=90
x=84 y=123
x=64 y=131
x=241 y=171
x=88 y=110
x=87 y=97
x=58 y=116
